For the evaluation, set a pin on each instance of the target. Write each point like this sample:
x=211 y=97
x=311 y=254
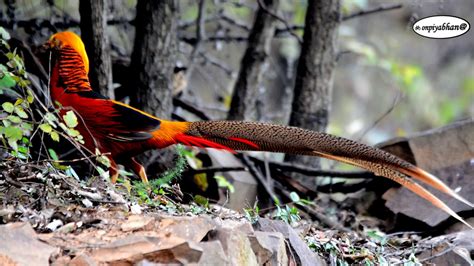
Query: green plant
x=146 y=193
x=224 y=183
x=288 y=214
x=16 y=126
x=252 y=214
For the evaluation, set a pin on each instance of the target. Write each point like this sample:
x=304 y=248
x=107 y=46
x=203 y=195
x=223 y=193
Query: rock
x=63 y=260
x=443 y=254
x=456 y=176
x=213 y=254
x=302 y=255
x=189 y=228
x=236 y=246
x=243 y=182
x=447 y=153
x=188 y=252
x=134 y=249
x=136 y=222
x=16 y=238
x=241 y=225
x=269 y=247
x=7 y=261
x=82 y=260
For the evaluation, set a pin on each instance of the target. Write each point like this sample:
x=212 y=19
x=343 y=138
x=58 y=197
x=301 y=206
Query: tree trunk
x=244 y=98
x=93 y=32
x=151 y=67
x=153 y=56
x=313 y=85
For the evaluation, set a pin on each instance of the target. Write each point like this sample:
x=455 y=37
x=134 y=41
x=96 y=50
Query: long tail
x=239 y=135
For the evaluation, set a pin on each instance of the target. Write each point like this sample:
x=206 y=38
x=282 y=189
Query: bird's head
x=67 y=38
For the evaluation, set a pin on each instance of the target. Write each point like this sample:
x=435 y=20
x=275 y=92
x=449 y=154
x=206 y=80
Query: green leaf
x=51 y=118
x=30 y=98
x=14 y=119
x=26 y=126
x=223 y=182
x=13 y=133
x=201 y=201
x=21 y=112
x=13 y=144
x=294 y=197
x=8 y=107
x=54 y=136
x=53 y=154
x=6 y=123
x=4 y=35
x=73 y=133
x=46 y=128
x=7 y=80
x=104 y=160
x=70 y=119
x=18 y=101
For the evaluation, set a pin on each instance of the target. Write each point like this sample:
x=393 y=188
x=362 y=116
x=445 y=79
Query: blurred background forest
x=383 y=69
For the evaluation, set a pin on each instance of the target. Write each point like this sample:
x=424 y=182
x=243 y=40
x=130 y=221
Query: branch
x=213 y=61
x=234 y=22
x=212 y=170
x=395 y=103
x=381 y=8
x=309 y=171
x=54 y=25
x=229 y=38
x=200 y=37
x=260 y=178
x=190 y=108
x=314 y=214
x=282 y=20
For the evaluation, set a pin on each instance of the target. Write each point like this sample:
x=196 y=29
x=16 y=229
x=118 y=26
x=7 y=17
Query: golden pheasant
x=124 y=132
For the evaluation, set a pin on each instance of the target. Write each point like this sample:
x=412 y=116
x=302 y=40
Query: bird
x=123 y=132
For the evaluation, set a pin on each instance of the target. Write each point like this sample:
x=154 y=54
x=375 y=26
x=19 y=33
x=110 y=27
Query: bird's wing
x=131 y=124
x=118 y=121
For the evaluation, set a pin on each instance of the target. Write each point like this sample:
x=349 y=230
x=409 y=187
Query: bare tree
x=93 y=30
x=313 y=85
x=152 y=64
x=245 y=93
x=153 y=56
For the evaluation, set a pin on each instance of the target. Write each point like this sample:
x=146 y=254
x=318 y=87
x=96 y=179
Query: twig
x=212 y=170
x=282 y=20
x=54 y=25
x=381 y=8
x=213 y=61
x=395 y=103
x=318 y=173
x=260 y=178
x=316 y=215
x=229 y=38
x=190 y=108
x=234 y=22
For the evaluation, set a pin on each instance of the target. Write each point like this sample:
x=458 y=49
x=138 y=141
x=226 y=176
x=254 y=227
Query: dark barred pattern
x=278 y=138
x=72 y=71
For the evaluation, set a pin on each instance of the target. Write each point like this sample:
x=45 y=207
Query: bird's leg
x=137 y=168
x=113 y=171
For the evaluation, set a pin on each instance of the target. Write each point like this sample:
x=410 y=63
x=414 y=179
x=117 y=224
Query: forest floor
x=55 y=219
